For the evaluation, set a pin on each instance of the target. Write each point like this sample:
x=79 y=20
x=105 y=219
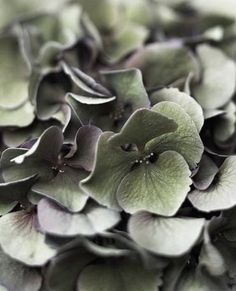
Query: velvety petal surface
x=56 y=220
x=218 y=80
x=193 y=109
x=158 y=187
x=221 y=193
x=114 y=163
x=127 y=274
x=16 y=276
x=21 y=239
x=64 y=188
x=165 y=236
x=185 y=140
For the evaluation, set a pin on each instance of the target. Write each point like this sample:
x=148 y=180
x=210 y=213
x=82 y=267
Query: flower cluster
x=117 y=145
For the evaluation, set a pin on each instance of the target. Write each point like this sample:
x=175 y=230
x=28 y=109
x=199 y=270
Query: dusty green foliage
x=117 y=145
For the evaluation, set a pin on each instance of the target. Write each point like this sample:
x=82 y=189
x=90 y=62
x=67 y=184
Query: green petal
x=87 y=114
x=111 y=165
x=22 y=241
x=229 y=230
x=225 y=126
x=138 y=11
x=47 y=35
x=193 y=109
x=228 y=252
x=108 y=251
x=185 y=140
x=221 y=194
x=206 y=173
x=198 y=281
x=210 y=113
x=46 y=53
x=15 y=9
x=70 y=28
x=14 y=172
x=187 y=84
x=64 y=188
x=106 y=15
x=50 y=95
x=127 y=275
x=15 y=138
x=63 y=115
x=14 y=73
x=37 y=37
x=218 y=82
x=14 y=192
x=71 y=127
x=43 y=149
x=63 y=270
x=159 y=187
x=85 y=82
x=85 y=145
x=20 y=117
x=151 y=123
x=6 y=206
x=165 y=236
x=18 y=164
x=214 y=34
x=55 y=220
x=210 y=258
x=162 y=64
x=90 y=100
x=16 y=276
x=129 y=38
x=173 y=272
x=216 y=7
x=128 y=87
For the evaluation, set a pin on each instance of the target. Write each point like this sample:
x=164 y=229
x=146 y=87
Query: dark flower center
x=144 y=160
